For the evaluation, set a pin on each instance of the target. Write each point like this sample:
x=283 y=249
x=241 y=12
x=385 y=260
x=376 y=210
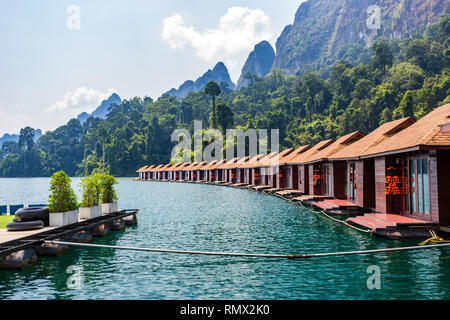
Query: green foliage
x=90 y=188
x=62 y=197
x=106 y=184
x=360 y=90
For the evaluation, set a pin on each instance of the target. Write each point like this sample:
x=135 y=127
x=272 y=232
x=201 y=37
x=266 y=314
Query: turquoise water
x=215 y=218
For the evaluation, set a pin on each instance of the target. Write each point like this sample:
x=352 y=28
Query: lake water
x=217 y=218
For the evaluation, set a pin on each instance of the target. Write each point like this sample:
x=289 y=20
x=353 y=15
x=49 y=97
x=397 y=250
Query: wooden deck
x=289 y=193
x=387 y=222
x=6 y=235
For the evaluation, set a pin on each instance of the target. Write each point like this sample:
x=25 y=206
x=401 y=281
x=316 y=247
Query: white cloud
x=238 y=31
x=81 y=100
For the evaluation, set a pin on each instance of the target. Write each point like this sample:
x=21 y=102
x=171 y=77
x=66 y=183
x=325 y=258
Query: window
x=416 y=185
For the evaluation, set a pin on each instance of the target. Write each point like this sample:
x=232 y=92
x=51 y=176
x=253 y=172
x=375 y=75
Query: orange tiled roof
x=190 y=166
x=389 y=129
x=299 y=159
x=199 y=166
x=276 y=158
x=209 y=165
x=286 y=160
x=155 y=168
x=425 y=132
x=142 y=169
x=341 y=143
x=229 y=164
x=217 y=165
x=260 y=161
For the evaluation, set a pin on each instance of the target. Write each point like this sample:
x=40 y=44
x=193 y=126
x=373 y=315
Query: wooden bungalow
x=199 y=172
x=259 y=168
x=179 y=173
x=141 y=172
x=288 y=177
x=189 y=173
x=154 y=172
x=329 y=177
x=304 y=172
x=228 y=174
x=359 y=180
x=411 y=169
x=242 y=174
x=148 y=173
x=209 y=173
x=215 y=174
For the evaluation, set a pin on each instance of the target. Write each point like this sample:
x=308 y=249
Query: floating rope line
x=249 y=255
x=326 y=215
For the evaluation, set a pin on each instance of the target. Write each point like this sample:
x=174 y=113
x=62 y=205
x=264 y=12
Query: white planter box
x=90 y=212
x=110 y=207
x=60 y=219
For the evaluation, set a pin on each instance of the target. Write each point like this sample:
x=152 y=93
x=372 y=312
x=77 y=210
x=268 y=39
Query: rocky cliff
x=258 y=63
x=218 y=74
x=323 y=29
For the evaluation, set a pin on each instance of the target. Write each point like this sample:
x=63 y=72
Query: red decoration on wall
x=393 y=185
x=316 y=177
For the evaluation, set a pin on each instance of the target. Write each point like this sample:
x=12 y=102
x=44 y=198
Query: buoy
x=81 y=237
x=118 y=224
x=51 y=249
x=130 y=220
x=19 y=260
x=100 y=231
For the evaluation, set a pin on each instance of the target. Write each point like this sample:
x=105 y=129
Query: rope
x=249 y=255
x=434 y=238
x=326 y=215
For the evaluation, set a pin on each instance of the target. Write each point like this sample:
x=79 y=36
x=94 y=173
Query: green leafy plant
x=62 y=197
x=90 y=191
x=107 y=192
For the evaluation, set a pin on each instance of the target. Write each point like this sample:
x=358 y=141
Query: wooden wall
x=338 y=179
x=443 y=192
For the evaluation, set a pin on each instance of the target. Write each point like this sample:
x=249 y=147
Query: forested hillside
x=402 y=78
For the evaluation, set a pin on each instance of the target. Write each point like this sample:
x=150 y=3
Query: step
x=364 y=222
x=340 y=203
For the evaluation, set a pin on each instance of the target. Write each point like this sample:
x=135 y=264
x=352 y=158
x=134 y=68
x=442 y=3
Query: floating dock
x=24 y=241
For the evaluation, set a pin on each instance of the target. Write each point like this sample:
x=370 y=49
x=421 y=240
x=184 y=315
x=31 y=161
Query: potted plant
x=108 y=195
x=62 y=202
x=90 y=197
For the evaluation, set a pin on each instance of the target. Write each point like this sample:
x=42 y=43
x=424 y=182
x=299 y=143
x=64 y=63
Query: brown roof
x=216 y=165
x=241 y=162
x=190 y=166
x=425 y=132
x=311 y=151
x=295 y=153
x=166 y=167
x=373 y=139
x=142 y=169
x=276 y=158
x=155 y=168
x=210 y=165
x=341 y=143
x=229 y=164
x=199 y=166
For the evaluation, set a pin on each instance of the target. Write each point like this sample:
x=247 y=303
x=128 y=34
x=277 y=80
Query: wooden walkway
x=384 y=221
x=6 y=235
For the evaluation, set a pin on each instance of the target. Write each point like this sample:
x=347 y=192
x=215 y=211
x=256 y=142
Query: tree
x=213 y=89
x=224 y=116
x=383 y=58
x=26 y=138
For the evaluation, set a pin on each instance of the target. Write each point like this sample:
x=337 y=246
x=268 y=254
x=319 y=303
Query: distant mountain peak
x=258 y=63
x=102 y=110
x=218 y=74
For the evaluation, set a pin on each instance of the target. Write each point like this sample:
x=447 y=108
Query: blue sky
x=49 y=72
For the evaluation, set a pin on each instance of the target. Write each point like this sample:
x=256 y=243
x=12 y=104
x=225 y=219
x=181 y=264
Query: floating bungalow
x=392 y=180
